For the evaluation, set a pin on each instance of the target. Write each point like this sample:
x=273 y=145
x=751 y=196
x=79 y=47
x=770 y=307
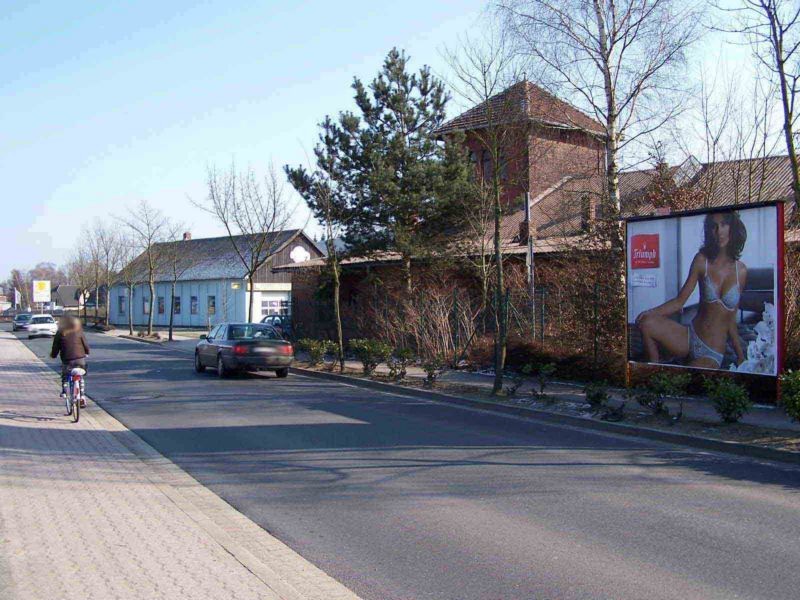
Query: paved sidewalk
x=88 y=510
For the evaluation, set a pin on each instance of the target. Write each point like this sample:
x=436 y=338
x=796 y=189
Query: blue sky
x=106 y=103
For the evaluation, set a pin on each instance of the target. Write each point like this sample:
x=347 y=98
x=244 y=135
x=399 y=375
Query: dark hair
x=738 y=235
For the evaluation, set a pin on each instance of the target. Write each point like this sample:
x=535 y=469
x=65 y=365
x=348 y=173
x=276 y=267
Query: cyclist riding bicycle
x=70 y=343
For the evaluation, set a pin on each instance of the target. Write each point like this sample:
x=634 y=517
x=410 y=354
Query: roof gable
x=523 y=101
x=211 y=258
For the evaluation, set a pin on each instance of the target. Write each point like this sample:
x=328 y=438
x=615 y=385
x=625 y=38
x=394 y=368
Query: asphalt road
x=400 y=498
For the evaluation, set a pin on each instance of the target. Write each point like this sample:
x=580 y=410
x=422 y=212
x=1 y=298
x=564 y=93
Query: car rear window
x=23 y=317
x=252 y=332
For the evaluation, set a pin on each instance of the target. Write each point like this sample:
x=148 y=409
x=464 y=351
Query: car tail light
x=286 y=349
x=239 y=350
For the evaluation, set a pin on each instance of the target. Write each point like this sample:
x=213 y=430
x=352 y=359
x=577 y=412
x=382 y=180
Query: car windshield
x=252 y=332
x=23 y=317
x=42 y=320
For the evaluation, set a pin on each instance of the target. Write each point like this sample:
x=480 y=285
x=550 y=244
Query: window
x=473 y=165
x=486 y=165
x=501 y=159
x=146 y=305
x=250 y=332
x=270 y=307
x=121 y=305
x=214 y=332
x=193 y=305
x=212 y=305
x=161 y=305
x=176 y=305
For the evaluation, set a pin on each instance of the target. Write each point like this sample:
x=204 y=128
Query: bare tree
x=106 y=242
x=316 y=188
x=148 y=227
x=488 y=77
x=81 y=271
x=733 y=123
x=617 y=59
x=251 y=211
x=176 y=261
x=129 y=275
x=772 y=28
x=21 y=281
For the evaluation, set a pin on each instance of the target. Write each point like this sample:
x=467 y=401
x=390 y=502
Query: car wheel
x=222 y=372
x=198 y=366
x=282 y=372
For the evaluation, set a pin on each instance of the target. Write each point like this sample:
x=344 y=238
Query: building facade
x=210 y=283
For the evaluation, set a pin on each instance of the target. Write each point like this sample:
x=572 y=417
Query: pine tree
x=393 y=184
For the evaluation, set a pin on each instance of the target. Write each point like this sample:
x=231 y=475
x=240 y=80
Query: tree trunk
x=251 y=297
x=171 y=309
x=108 y=304
x=152 y=286
x=336 y=302
x=407 y=274
x=788 y=119
x=96 y=296
x=612 y=168
x=500 y=308
x=130 y=309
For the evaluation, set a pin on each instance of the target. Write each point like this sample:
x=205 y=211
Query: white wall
x=230 y=303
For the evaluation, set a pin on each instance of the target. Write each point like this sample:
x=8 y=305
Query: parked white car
x=41 y=325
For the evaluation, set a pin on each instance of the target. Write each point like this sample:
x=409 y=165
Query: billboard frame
x=780 y=306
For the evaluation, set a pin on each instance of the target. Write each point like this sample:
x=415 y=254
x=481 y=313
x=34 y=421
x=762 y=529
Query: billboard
x=41 y=290
x=704 y=289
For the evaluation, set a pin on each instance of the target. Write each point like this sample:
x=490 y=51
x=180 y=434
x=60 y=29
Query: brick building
x=555 y=154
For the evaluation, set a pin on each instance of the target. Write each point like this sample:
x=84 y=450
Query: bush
x=332 y=348
x=517 y=380
x=730 y=399
x=398 y=363
x=596 y=394
x=371 y=353
x=659 y=388
x=544 y=374
x=790 y=393
x=316 y=350
x=433 y=368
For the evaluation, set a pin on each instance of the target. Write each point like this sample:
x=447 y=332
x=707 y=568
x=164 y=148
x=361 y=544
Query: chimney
x=187 y=235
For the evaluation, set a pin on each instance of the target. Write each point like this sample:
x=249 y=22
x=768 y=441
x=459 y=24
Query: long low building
x=211 y=285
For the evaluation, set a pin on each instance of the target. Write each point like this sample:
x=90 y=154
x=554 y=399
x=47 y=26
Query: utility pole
x=529 y=262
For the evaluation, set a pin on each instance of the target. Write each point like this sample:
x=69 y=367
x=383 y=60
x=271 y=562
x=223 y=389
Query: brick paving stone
x=89 y=510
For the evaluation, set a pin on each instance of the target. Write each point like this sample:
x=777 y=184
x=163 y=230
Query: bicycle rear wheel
x=76 y=403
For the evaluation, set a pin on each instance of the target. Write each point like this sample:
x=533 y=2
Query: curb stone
x=703 y=443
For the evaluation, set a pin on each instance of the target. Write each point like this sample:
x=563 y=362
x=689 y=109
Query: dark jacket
x=71 y=345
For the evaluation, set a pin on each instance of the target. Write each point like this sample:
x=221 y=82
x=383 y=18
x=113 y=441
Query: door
x=208 y=353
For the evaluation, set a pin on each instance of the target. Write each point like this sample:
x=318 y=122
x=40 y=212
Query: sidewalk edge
x=178 y=485
x=703 y=443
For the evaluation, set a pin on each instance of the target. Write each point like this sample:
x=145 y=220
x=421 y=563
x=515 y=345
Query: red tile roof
x=527 y=101
x=558 y=212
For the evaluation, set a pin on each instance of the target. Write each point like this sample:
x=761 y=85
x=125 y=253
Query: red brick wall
x=537 y=158
x=555 y=154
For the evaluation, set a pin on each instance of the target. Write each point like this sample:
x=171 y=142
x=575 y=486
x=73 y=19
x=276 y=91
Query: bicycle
x=75 y=394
